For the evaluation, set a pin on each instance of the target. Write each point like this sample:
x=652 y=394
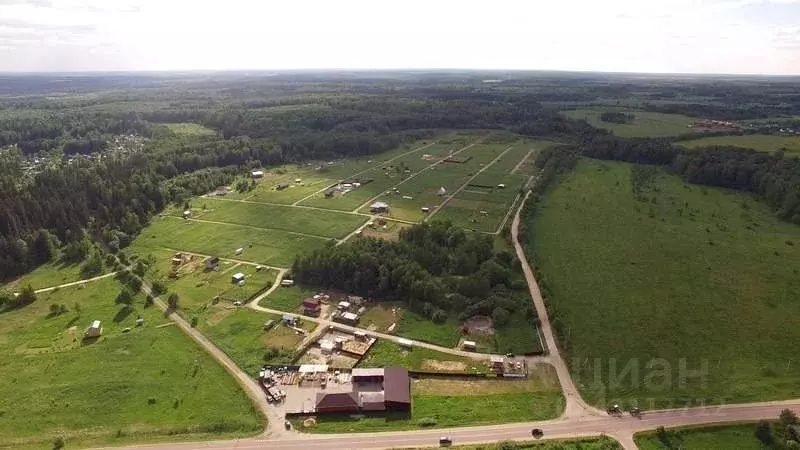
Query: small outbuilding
x=405 y=343
x=257 y=174
x=212 y=263
x=237 y=277
x=187 y=214
x=425 y=209
x=469 y=345
x=344 y=306
x=501 y=186
x=329 y=192
x=442 y=191
x=239 y=251
x=95 y=330
x=287 y=283
x=281 y=186
x=289 y=320
x=379 y=207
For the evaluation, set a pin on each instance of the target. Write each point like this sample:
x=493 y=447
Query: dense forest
x=434 y=268
x=64 y=177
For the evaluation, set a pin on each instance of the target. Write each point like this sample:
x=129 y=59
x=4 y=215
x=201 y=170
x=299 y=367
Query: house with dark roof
x=343 y=402
x=312 y=307
x=396 y=389
x=374 y=389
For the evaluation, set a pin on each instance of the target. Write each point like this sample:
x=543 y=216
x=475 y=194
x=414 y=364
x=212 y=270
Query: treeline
x=617 y=117
x=434 y=268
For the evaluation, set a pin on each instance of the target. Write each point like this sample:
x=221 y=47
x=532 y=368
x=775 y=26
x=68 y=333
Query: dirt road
x=75 y=283
x=576 y=406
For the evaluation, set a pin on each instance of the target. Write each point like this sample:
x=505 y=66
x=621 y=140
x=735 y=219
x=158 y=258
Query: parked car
x=445 y=441
x=288 y=425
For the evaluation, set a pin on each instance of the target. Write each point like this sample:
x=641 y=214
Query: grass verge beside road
x=726 y=437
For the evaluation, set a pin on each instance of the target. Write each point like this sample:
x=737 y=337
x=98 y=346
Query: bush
x=194 y=321
x=58 y=443
x=427 y=422
x=172 y=301
x=159 y=287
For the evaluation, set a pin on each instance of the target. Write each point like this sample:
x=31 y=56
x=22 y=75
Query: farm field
x=423 y=189
x=760 y=142
x=740 y=437
x=634 y=264
x=270 y=247
x=239 y=332
x=148 y=383
x=646 y=124
x=483 y=194
x=382 y=180
x=451 y=403
x=320 y=223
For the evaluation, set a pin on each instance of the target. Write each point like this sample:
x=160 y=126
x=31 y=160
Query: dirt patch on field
x=219 y=316
x=479 y=324
x=443 y=366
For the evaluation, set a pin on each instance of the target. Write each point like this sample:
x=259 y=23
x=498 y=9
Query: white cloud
x=612 y=35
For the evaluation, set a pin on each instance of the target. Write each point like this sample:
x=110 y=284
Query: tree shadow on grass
x=123 y=313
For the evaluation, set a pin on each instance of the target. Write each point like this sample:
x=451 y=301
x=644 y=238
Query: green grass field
x=287 y=298
x=386 y=353
x=240 y=334
x=189 y=129
x=417 y=327
x=739 y=437
x=46 y=275
x=761 y=142
x=270 y=247
x=199 y=287
x=326 y=224
x=694 y=274
x=143 y=384
x=423 y=188
x=383 y=180
x=467 y=208
x=646 y=124
x=457 y=402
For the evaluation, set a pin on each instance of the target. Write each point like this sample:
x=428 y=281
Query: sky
x=659 y=36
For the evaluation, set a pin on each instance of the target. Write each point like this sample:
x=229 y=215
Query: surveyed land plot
x=132 y=382
x=424 y=190
x=241 y=334
x=483 y=205
x=203 y=287
x=321 y=223
x=269 y=247
x=381 y=178
x=761 y=142
x=702 y=281
x=645 y=124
